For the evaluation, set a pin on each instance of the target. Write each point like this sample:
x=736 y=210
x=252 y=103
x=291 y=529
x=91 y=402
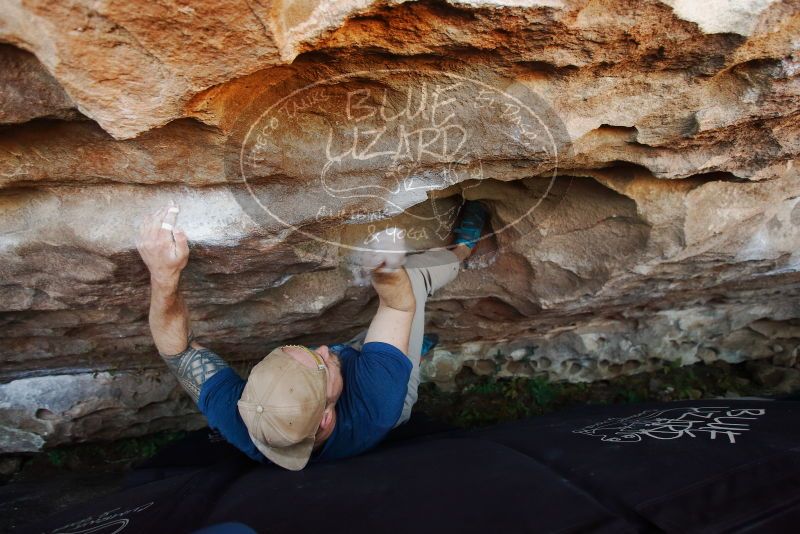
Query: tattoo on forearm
x=193 y=367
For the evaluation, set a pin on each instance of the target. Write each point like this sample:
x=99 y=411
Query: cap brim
x=293 y=458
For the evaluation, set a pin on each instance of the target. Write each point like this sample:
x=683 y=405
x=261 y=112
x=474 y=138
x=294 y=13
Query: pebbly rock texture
x=639 y=159
x=97 y=405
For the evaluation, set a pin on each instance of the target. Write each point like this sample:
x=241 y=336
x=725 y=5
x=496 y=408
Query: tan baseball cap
x=282 y=405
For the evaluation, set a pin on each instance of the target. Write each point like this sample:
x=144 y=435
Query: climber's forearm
x=165 y=251
x=169 y=317
x=392 y=322
x=191 y=363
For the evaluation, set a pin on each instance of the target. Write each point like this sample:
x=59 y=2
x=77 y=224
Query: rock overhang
x=670 y=195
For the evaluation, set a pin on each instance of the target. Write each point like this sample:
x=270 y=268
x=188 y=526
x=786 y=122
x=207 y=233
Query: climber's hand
x=164 y=248
x=394 y=289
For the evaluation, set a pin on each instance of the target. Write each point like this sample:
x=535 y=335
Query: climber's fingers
x=164 y=248
x=169 y=219
x=181 y=243
x=158 y=218
x=148 y=230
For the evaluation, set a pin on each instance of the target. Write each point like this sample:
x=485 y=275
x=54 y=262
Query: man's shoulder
x=225 y=382
x=218 y=402
x=377 y=353
x=375 y=372
x=375 y=386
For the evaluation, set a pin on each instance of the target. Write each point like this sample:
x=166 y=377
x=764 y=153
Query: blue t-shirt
x=375 y=385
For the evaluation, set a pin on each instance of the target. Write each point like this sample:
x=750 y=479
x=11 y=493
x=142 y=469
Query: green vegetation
x=477 y=401
x=113 y=455
x=57 y=457
x=481 y=401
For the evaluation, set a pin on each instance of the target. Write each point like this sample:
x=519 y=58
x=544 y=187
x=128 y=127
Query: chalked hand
x=163 y=247
x=386 y=252
x=382 y=252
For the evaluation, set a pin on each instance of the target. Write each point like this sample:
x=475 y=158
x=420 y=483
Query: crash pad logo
x=361 y=147
x=109 y=522
x=675 y=423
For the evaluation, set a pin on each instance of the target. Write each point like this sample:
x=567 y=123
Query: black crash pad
x=699 y=466
x=702 y=466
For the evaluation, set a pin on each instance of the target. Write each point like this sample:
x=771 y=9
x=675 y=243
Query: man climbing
x=300 y=403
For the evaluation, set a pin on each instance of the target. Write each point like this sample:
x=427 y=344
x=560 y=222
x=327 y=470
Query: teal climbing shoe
x=428 y=342
x=473 y=217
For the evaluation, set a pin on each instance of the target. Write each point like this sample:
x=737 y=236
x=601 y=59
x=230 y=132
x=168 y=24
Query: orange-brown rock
x=28 y=90
x=639 y=158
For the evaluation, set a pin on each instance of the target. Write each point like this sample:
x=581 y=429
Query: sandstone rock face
x=28 y=90
x=639 y=160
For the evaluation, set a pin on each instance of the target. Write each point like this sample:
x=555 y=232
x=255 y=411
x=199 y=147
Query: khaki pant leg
x=428 y=272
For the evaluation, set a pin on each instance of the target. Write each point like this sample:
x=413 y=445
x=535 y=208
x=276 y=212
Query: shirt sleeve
x=380 y=382
x=218 y=398
x=376 y=382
